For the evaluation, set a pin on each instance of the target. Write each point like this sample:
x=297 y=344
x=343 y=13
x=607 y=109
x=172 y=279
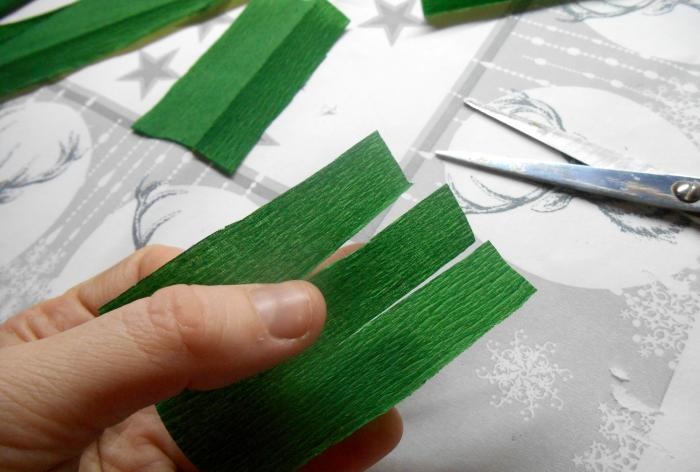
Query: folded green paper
x=85 y=32
x=222 y=106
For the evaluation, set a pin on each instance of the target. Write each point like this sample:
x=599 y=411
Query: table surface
x=596 y=373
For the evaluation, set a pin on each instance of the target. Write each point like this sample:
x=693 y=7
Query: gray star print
x=393 y=18
x=151 y=69
x=267 y=140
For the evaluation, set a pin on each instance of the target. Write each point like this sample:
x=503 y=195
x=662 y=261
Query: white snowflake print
x=626 y=434
x=524 y=375
x=664 y=317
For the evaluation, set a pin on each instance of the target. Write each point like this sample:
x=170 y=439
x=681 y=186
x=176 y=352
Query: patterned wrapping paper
x=573 y=381
x=576 y=381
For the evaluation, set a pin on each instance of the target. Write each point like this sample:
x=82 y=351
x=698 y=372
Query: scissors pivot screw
x=688 y=192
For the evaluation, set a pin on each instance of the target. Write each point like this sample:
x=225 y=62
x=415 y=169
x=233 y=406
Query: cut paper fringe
x=383 y=338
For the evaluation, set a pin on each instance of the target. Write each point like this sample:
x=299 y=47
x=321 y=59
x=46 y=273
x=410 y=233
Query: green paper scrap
x=279 y=424
x=222 y=106
x=84 y=32
x=8 y=6
x=439 y=7
x=9 y=30
x=357 y=289
x=291 y=235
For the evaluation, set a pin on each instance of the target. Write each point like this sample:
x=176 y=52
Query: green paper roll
x=222 y=106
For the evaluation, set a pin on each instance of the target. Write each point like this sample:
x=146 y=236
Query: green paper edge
x=10 y=30
x=363 y=284
x=440 y=7
x=243 y=82
x=85 y=32
x=8 y=6
x=290 y=236
x=284 y=417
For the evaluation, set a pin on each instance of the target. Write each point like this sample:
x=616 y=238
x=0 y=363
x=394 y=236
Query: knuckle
x=179 y=315
x=46 y=319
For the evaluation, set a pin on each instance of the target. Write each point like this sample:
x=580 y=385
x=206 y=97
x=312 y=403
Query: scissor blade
x=638 y=187
x=570 y=144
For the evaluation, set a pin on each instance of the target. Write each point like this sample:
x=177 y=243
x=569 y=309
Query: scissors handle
x=673 y=192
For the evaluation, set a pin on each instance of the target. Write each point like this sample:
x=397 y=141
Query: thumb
x=65 y=389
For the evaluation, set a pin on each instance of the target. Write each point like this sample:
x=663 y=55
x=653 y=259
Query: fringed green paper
x=356 y=289
x=280 y=420
x=380 y=342
x=291 y=235
x=222 y=106
x=363 y=284
x=85 y=32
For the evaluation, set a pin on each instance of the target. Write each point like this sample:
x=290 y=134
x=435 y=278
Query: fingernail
x=284 y=308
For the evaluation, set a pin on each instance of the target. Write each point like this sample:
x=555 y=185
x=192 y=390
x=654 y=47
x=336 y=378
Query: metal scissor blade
x=570 y=144
x=638 y=187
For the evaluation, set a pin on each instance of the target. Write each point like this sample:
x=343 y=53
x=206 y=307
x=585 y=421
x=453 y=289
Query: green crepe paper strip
x=10 y=30
x=222 y=106
x=439 y=7
x=280 y=425
x=84 y=32
x=356 y=289
x=363 y=284
x=8 y=6
x=291 y=235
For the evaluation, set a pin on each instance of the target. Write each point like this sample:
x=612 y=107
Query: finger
x=143 y=443
x=80 y=304
x=135 y=445
x=111 y=283
x=76 y=383
x=364 y=448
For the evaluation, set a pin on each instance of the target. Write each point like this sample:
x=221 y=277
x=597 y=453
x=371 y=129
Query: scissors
x=592 y=175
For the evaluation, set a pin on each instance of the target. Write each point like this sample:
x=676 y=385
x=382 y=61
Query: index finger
x=80 y=303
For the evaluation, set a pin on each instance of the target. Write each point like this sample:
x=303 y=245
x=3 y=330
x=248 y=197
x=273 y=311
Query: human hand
x=77 y=391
